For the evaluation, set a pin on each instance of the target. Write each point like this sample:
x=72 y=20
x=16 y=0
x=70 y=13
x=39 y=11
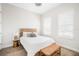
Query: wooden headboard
x=27 y=30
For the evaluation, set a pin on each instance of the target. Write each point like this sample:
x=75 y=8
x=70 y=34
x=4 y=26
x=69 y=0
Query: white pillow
x=25 y=34
x=36 y=33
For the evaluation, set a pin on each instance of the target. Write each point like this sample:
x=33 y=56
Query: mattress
x=33 y=44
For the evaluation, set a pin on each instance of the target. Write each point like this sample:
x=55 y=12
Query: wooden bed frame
x=27 y=30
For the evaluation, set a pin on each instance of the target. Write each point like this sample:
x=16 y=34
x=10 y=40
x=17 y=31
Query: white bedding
x=33 y=44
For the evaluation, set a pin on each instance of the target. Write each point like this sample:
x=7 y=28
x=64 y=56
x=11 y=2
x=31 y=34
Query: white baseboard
x=0 y=47
x=5 y=46
x=65 y=46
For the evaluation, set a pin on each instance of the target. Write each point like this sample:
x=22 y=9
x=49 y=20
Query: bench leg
x=60 y=51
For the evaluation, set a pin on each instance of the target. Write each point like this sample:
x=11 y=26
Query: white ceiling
x=36 y=9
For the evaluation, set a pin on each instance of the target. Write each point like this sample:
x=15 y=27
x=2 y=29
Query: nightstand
x=16 y=42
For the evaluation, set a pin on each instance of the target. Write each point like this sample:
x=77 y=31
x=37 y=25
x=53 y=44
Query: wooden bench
x=52 y=50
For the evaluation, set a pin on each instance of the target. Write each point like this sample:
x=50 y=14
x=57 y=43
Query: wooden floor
x=21 y=52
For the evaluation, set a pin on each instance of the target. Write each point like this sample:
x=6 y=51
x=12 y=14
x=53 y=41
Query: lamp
x=16 y=35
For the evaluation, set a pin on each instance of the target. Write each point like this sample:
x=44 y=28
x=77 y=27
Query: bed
x=33 y=44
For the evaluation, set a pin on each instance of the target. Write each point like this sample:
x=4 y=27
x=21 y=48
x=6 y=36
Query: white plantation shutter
x=65 y=24
x=0 y=26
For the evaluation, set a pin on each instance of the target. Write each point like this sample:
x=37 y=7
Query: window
x=47 y=25
x=65 y=24
x=0 y=26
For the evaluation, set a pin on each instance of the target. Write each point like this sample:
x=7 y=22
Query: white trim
x=65 y=46
x=5 y=46
x=0 y=47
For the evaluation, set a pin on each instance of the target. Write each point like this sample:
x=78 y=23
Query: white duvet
x=33 y=44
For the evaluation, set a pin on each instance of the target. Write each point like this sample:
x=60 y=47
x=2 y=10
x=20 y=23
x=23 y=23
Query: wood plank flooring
x=20 y=51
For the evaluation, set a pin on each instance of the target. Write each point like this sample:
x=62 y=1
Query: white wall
x=0 y=27
x=53 y=13
x=14 y=18
x=76 y=25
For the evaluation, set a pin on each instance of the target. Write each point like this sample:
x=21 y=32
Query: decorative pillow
x=31 y=35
